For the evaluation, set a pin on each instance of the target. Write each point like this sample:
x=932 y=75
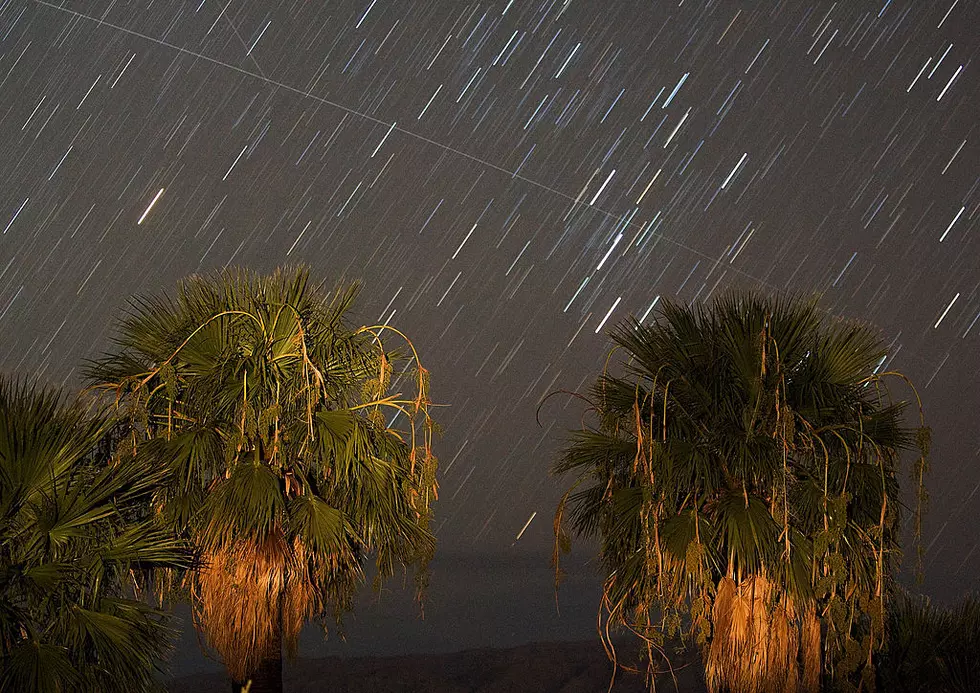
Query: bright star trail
x=509 y=179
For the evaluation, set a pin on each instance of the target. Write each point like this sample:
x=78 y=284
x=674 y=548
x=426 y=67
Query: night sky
x=508 y=180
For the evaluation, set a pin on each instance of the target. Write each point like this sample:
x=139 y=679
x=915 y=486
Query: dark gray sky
x=508 y=178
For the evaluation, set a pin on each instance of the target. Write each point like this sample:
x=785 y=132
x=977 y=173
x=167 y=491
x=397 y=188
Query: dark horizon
x=508 y=594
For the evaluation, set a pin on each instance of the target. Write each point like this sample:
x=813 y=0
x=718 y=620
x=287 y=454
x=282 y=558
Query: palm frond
x=75 y=540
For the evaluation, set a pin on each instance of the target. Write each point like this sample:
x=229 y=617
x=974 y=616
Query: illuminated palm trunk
x=762 y=643
x=251 y=597
x=267 y=678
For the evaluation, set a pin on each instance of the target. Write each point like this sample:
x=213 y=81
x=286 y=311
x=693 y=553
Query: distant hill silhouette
x=566 y=667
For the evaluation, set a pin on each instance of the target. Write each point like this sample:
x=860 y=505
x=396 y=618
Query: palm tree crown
x=277 y=423
x=741 y=476
x=75 y=549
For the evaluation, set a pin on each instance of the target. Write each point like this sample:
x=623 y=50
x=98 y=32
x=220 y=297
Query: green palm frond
x=589 y=450
x=37 y=666
x=249 y=502
x=318 y=525
x=75 y=544
x=930 y=648
x=748 y=534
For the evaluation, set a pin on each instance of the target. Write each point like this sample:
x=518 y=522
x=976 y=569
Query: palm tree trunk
x=268 y=677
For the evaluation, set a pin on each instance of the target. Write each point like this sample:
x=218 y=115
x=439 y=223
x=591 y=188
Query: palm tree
x=740 y=474
x=272 y=415
x=930 y=649
x=74 y=552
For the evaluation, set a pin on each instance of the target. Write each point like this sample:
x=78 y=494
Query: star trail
x=509 y=179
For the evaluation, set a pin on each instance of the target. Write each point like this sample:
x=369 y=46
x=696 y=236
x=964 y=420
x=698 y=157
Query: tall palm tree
x=75 y=550
x=291 y=459
x=740 y=474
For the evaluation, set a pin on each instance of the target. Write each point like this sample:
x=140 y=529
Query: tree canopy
x=297 y=446
x=740 y=472
x=76 y=548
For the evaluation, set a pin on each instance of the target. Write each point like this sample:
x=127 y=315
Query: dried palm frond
x=757 y=640
x=249 y=597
